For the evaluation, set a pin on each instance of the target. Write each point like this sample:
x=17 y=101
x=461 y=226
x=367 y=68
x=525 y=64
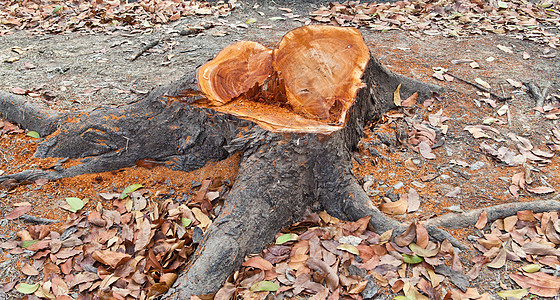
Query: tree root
x=469 y=218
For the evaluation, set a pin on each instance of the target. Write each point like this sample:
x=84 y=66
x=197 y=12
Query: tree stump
x=295 y=112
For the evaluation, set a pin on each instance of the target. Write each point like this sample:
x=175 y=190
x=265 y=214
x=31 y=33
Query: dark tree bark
x=281 y=175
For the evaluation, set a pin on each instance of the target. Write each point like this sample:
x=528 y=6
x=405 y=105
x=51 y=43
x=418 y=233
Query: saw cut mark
x=306 y=85
x=235 y=70
x=321 y=65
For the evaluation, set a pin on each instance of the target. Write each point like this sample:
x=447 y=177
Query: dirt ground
x=88 y=70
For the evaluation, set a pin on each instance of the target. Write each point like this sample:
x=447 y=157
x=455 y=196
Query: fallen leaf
x=482 y=82
x=505 y=49
x=395 y=208
x=538 y=283
x=430 y=251
x=19 y=91
x=407 y=236
x=499 y=261
x=17 y=212
x=438 y=76
x=539 y=249
x=412 y=259
x=288 y=237
x=34 y=134
x=503 y=110
x=258 y=262
x=129 y=189
x=513 y=294
x=531 y=268
x=110 y=258
x=410 y=101
x=541 y=190
x=514 y=83
x=482 y=220
x=75 y=203
x=29 y=270
x=397 y=96
x=349 y=248
x=143 y=236
x=26 y=288
x=413 y=200
x=426 y=150
x=265 y=286
x=331 y=279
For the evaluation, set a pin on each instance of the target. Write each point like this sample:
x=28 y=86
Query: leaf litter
x=47 y=16
x=525 y=20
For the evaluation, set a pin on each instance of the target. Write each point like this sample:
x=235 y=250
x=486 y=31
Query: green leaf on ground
x=532 y=268
x=26 y=288
x=411 y=259
x=129 y=189
x=34 y=134
x=286 y=238
x=186 y=222
x=265 y=286
x=75 y=203
x=513 y=294
x=26 y=244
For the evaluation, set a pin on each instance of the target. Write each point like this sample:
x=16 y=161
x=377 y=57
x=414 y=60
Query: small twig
x=478 y=86
x=149 y=46
x=196 y=30
x=37 y=220
x=536 y=93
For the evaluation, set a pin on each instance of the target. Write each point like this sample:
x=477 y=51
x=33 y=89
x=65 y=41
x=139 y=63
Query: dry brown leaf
x=519 y=179
x=410 y=101
x=422 y=237
x=397 y=96
x=538 y=283
x=395 y=208
x=410 y=165
x=17 y=212
x=541 y=190
x=509 y=223
x=413 y=200
x=168 y=278
x=110 y=258
x=425 y=150
x=258 y=262
x=143 y=236
x=59 y=287
x=539 y=249
x=202 y=218
x=499 y=261
x=29 y=270
x=482 y=220
x=331 y=279
x=407 y=236
x=226 y=292
x=551 y=233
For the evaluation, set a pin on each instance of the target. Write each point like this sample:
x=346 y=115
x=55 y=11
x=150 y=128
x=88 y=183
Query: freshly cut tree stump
x=295 y=113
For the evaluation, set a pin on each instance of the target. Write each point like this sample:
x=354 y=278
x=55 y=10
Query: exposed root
x=469 y=218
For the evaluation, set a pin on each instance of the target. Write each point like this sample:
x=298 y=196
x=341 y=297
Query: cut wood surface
x=305 y=85
x=234 y=71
